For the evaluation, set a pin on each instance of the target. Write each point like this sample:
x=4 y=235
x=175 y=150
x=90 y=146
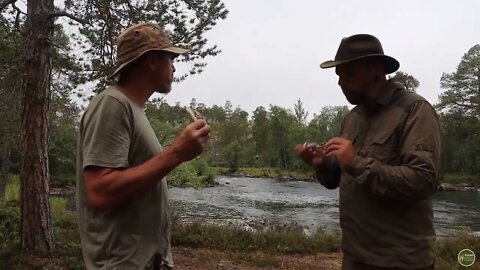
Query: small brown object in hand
x=320 y=146
x=193 y=114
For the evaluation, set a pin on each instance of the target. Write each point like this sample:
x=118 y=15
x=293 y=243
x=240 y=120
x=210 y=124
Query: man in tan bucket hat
x=122 y=202
x=386 y=163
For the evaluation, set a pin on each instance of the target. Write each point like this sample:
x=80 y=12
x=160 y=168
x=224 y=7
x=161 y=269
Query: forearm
x=406 y=182
x=114 y=187
x=329 y=173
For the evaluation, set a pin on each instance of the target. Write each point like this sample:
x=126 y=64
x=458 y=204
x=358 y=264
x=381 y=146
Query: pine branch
x=5 y=3
x=66 y=14
x=18 y=10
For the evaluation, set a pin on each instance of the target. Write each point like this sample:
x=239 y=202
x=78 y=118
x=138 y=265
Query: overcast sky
x=271 y=49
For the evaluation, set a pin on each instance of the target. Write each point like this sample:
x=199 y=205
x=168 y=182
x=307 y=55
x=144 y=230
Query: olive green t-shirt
x=114 y=132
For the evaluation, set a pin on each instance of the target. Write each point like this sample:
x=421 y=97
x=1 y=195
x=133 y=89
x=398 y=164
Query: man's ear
x=378 y=71
x=151 y=61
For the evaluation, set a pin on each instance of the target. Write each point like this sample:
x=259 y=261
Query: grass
x=459 y=178
x=64 y=227
x=12 y=191
x=58 y=206
x=245 y=244
x=260 y=248
x=258 y=260
x=278 y=240
x=447 y=250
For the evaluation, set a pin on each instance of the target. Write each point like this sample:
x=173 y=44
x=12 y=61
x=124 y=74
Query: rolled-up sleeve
x=416 y=177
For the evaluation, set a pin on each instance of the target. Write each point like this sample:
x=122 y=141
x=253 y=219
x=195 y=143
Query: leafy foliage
x=186 y=22
x=407 y=80
x=460 y=114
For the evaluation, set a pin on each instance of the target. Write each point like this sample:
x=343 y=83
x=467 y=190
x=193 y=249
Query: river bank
x=205 y=233
x=253 y=203
x=449 y=182
x=207 y=247
x=461 y=187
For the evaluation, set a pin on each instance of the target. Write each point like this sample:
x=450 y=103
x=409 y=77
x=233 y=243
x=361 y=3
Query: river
x=252 y=202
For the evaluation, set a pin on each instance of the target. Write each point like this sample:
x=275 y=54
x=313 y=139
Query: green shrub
x=447 y=250
x=58 y=207
x=9 y=226
x=12 y=191
x=458 y=178
x=196 y=174
x=275 y=240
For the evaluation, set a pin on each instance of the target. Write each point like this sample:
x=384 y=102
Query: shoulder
x=407 y=100
x=353 y=113
x=415 y=106
x=114 y=92
x=108 y=105
x=110 y=99
x=351 y=120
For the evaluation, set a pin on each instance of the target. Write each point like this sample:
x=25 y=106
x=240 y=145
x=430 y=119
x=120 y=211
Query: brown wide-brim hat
x=139 y=39
x=359 y=47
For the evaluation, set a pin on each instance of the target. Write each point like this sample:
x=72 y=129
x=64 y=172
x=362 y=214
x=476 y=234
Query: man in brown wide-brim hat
x=386 y=162
x=122 y=203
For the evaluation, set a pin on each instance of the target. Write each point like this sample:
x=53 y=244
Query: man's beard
x=354 y=98
x=359 y=98
x=164 y=90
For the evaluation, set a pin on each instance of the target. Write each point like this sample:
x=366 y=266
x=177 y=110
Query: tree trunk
x=284 y=157
x=37 y=234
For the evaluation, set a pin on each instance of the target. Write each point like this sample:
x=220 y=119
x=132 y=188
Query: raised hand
x=343 y=149
x=192 y=140
x=312 y=154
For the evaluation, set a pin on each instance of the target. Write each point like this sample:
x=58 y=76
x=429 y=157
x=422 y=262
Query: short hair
x=124 y=73
x=373 y=60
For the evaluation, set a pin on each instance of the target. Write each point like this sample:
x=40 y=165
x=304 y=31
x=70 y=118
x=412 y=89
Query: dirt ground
x=209 y=259
x=206 y=259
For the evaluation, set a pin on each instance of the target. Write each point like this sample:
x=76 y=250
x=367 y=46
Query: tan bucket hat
x=358 y=47
x=138 y=39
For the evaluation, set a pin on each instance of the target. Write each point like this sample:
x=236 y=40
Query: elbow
x=427 y=187
x=97 y=193
x=330 y=184
x=97 y=203
x=329 y=179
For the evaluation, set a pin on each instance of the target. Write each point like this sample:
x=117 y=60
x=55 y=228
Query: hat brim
x=175 y=50
x=391 y=64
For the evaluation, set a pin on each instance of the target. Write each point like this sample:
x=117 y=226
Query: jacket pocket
x=383 y=145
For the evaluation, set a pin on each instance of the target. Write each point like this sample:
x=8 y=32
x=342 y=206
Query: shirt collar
x=388 y=93
x=385 y=99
